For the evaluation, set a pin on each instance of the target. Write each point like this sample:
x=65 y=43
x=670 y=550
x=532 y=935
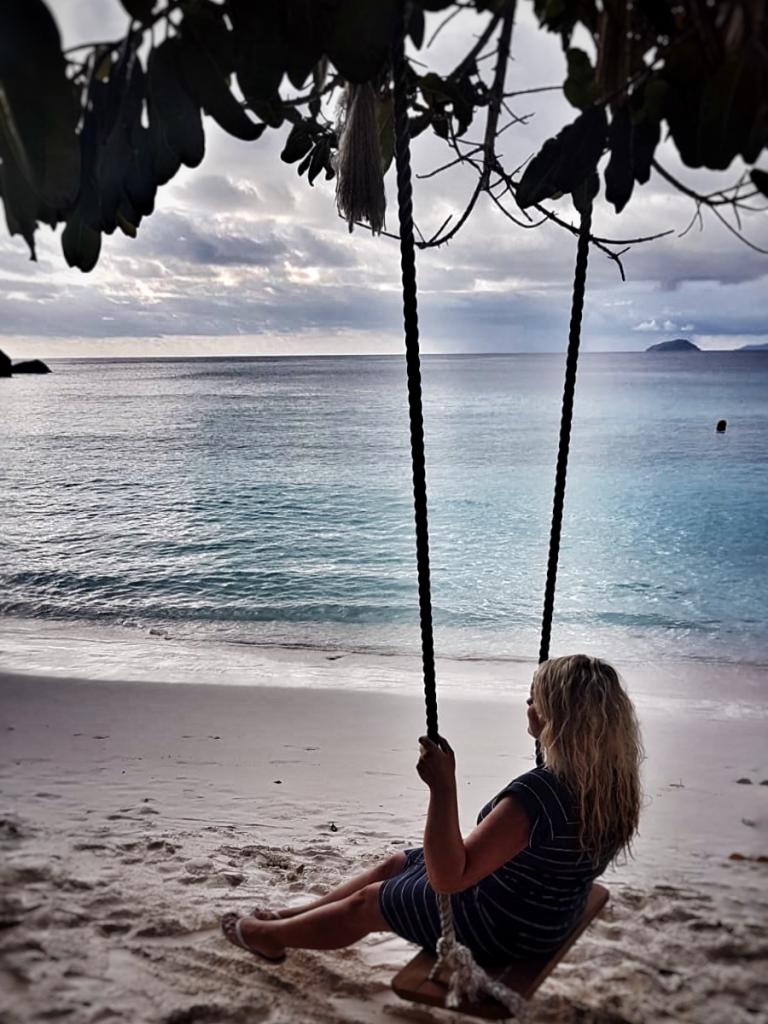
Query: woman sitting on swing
x=520 y=880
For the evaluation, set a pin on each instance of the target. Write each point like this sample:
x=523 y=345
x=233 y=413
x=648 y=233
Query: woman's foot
x=252 y=935
x=279 y=914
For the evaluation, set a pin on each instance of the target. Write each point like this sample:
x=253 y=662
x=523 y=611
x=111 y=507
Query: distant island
x=683 y=345
x=676 y=345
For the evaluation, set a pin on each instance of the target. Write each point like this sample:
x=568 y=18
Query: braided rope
x=467 y=979
x=583 y=202
x=413 y=368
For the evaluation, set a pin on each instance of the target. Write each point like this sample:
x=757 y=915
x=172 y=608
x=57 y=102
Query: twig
x=713 y=204
x=480 y=45
x=443 y=23
x=528 y=92
x=452 y=163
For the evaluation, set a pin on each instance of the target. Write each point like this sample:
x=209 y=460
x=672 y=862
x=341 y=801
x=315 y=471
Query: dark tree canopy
x=88 y=136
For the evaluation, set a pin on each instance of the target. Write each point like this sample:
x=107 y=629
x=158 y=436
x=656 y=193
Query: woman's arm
x=453 y=863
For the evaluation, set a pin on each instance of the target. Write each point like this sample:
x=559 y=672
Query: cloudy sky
x=243 y=257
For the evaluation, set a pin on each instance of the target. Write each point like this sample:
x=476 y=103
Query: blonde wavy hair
x=591 y=740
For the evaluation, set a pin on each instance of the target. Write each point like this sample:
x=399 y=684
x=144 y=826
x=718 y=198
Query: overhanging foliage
x=87 y=137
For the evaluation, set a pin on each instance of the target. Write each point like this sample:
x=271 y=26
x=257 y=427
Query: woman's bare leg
x=378 y=873
x=331 y=926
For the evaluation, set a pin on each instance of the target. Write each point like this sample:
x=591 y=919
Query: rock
x=30 y=366
x=676 y=345
x=5 y=365
x=744 y=782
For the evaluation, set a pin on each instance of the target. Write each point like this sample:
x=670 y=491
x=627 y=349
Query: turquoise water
x=268 y=501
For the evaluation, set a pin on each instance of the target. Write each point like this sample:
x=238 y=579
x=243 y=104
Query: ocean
x=268 y=502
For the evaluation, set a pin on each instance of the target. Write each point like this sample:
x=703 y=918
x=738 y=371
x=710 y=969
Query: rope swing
x=468 y=981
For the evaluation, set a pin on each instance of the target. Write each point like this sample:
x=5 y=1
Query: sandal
x=231 y=926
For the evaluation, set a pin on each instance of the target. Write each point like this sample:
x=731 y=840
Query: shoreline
x=135 y=814
x=67 y=650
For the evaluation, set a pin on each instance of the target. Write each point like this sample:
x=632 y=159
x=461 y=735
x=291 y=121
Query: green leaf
x=318 y=160
x=39 y=114
x=19 y=199
x=80 y=243
x=759 y=180
x=659 y=14
x=645 y=138
x=125 y=225
x=684 y=75
x=562 y=16
x=298 y=143
x=433 y=89
x=649 y=102
x=141 y=10
x=174 y=116
x=358 y=37
x=300 y=27
x=565 y=161
x=619 y=174
x=730 y=105
x=206 y=79
x=579 y=88
x=304 y=165
x=140 y=183
x=204 y=24
x=416 y=26
x=716 y=113
x=586 y=192
x=113 y=156
x=419 y=124
x=260 y=56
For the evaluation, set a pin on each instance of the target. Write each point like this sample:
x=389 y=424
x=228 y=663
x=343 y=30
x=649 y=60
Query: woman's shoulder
x=543 y=781
x=542 y=791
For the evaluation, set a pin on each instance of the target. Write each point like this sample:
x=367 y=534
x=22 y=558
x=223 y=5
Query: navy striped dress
x=528 y=905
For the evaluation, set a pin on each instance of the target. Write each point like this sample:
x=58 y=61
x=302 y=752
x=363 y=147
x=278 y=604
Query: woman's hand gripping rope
x=437 y=763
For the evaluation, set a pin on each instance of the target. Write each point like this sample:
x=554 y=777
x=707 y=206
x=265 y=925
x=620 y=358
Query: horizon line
x=383 y=355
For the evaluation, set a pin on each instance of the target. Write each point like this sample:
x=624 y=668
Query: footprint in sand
x=10 y=829
x=161 y=928
x=162 y=844
x=114 y=928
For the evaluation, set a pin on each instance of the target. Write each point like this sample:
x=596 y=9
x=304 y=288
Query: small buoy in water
x=721 y=425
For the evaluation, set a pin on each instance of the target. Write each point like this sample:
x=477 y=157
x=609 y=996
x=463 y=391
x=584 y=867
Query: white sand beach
x=134 y=814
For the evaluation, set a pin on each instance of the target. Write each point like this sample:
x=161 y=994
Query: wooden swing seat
x=522 y=976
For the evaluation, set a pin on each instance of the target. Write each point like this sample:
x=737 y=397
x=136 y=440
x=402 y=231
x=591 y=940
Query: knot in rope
x=466 y=979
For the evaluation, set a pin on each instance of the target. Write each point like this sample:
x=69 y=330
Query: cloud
x=227 y=242
x=665 y=325
x=219 y=192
